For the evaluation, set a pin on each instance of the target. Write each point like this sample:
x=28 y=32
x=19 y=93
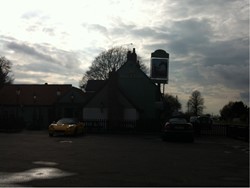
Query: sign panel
x=159 y=69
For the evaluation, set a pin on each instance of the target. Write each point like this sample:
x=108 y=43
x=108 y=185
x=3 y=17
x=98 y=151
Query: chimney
x=132 y=56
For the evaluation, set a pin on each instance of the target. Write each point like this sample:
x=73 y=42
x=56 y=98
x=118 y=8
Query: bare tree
x=6 y=76
x=105 y=62
x=195 y=103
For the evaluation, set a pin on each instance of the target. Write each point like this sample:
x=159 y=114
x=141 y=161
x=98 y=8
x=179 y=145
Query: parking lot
x=33 y=158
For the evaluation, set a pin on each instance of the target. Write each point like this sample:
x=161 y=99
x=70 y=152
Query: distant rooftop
x=30 y=94
x=94 y=85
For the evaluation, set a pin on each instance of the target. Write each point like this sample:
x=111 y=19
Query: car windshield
x=204 y=119
x=67 y=121
x=177 y=121
x=193 y=118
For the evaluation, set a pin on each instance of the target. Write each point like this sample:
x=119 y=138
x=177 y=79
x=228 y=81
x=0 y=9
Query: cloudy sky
x=55 y=41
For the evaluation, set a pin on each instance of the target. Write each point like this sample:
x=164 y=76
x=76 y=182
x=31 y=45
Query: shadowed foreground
x=34 y=159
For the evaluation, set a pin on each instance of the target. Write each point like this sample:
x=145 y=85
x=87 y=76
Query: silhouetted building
x=128 y=99
x=39 y=105
x=94 y=85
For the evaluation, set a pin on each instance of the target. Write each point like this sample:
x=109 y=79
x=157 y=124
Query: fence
x=102 y=125
x=233 y=131
x=216 y=130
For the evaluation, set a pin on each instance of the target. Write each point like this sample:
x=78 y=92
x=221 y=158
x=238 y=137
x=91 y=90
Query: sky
x=55 y=41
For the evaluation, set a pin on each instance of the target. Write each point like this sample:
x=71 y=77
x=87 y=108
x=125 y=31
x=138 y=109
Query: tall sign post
x=159 y=72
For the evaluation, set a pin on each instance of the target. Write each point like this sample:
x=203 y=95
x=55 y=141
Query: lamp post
x=34 y=111
x=34 y=97
x=58 y=94
x=72 y=97
x=18 y=92
x=73 y=111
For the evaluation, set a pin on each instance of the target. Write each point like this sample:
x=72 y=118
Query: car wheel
x=75 y=132
x=83 y=132
x=50 y=134
x=164 y=138
x=191 y=139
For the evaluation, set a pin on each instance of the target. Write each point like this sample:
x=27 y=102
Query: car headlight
x=70 y=126
x=51 y=126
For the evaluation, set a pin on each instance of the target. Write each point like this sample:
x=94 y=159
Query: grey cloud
x=66 y=59
x=24 y=74
x=50 y=31
x=35 y=14
x=121 y=29
x=33 y=28
x=204 y=59
x=97 y=27
x=245 y=96
x=4 y=38
x=40 y=26
x=28 y=50
x=144 y=32
x=31 y=14
x=232 y=76
x=181 y=37
x=37 y=21
x=43 y=59
x=139 y=32
x=188 y=36
x=46 y=54
x=192 y=8
x=41 y=67
x=235 y=51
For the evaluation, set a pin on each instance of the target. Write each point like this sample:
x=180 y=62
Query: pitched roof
x=33 y=94
x=102 y=87
x=94 y=85
x=74 y=94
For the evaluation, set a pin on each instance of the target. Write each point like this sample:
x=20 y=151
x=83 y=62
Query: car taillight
x=190 y=126
x=167 y=126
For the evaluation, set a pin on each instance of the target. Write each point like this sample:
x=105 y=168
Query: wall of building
x=95 y=114
x=142 y=92
x=34 y=117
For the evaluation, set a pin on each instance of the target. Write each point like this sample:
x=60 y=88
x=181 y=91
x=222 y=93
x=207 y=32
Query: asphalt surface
x=35 y=159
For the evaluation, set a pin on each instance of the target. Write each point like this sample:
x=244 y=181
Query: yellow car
x=66 y=126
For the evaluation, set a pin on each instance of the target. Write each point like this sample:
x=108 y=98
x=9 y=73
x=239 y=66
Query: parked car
x=205 y=122
x=66 y=126
x=178 y=128
x=194 y=119
x=201 y=123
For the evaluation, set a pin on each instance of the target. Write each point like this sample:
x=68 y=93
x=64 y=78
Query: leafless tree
x=6 y=76
x=195 y=103
x=105 y=62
